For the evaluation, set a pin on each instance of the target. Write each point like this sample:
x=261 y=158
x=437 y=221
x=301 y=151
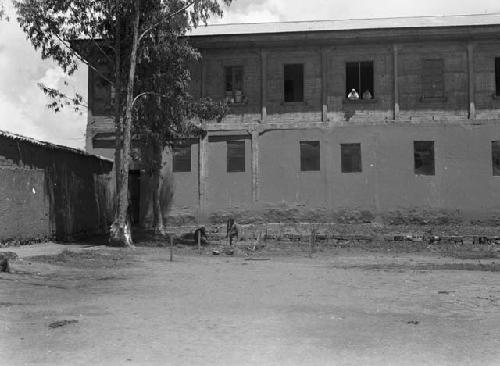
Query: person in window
x=353 y=95
x=367 y=94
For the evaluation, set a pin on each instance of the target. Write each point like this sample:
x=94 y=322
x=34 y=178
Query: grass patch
x=86 y=258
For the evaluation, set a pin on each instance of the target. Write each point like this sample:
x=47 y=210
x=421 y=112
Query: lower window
x=309 y=156
x=423 y=152
x=495 y=157
x=350 y=155
x=181 y=161
x=236 y=156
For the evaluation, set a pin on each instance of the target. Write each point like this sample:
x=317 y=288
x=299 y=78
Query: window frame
x=235 y=164
x=418 y=170
x=305 y=161
x=358 y=165
x=495 y=148
x=497 y=77
x=179 y=167
x=359 y=90
x=297 y=97
x=103 y=95
x=231 y=95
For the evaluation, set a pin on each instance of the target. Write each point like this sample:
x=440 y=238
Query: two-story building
x=377 y=119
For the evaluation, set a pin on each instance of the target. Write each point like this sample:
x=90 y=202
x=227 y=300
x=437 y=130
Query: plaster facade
x=462 y=124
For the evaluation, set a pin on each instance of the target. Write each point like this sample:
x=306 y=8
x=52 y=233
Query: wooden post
x=324 y=83
x=263 y=84
x=199 y=240
x=311 y=242
x=255 y=165
x=470 y=67
x=203 y=73
x=171 y=247
x=202 y=177
x=396 y=82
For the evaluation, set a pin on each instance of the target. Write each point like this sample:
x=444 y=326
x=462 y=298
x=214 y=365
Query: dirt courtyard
x=103 y=306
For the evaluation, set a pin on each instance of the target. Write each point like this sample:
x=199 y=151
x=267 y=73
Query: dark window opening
x=495 y=157
x=350 y=158
x=102 y=95
x=181 y=161
x=234 y=84
x=235 y=156
x=359 y=76
x=104 y=140
x=294 y=83
x=309 y=156
x=433 y=78
x=497 y=76
x=424 y=157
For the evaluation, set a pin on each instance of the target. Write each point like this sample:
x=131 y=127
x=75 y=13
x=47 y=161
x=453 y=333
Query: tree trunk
x=120 y=234
x=118 y=105
x=158 y=225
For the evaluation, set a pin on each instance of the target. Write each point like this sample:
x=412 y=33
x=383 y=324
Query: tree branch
x=86 y=62
x=147 y=93
x=143 y=34
x=58 y=96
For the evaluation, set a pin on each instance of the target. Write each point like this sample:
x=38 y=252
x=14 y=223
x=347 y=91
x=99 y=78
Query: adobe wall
x=76 y=189
x=24 y=207
x=487 y=104
x=386 y=190
x=184 y=186
x=380 y=108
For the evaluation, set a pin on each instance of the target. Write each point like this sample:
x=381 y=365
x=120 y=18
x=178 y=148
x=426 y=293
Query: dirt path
x=141 y=309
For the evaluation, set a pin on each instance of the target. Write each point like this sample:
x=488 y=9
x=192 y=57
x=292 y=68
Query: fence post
x=171 y=247
x=311 y=242
x=199 y=241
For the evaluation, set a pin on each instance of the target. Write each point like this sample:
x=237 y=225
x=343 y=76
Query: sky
x=23 y=106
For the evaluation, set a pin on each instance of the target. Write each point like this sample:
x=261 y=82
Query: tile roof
x=14 y=136
x=350 y=24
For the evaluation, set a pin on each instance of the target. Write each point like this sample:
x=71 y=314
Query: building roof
x=49 y=145
x=349 y=24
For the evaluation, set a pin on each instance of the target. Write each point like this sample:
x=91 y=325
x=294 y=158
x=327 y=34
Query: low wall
x=49 y=191
x=24 y=205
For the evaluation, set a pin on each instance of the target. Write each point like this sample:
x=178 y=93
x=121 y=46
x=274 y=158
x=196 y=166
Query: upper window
x=497 y=76
x=294 y=82
x=309 y=156
x=236 y=156
x=104 y=140
x=350 y=158
x=102 y=95
x=433 y=78
x=424 y=157
x=359 y=80
x=234 y=84
x=181 y=161
x=495 y=157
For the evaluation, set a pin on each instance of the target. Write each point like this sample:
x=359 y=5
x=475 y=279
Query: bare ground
x=378 y=304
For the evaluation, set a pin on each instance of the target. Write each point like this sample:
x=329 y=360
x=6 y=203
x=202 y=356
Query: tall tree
x=168 y=114
x=120 y=34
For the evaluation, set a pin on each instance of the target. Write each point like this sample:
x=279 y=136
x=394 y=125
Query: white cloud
x=53 y=77
x=287 y=10
x=22 y=104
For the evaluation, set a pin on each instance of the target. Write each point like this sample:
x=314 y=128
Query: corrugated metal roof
x=351 y=24
x=30 y=140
